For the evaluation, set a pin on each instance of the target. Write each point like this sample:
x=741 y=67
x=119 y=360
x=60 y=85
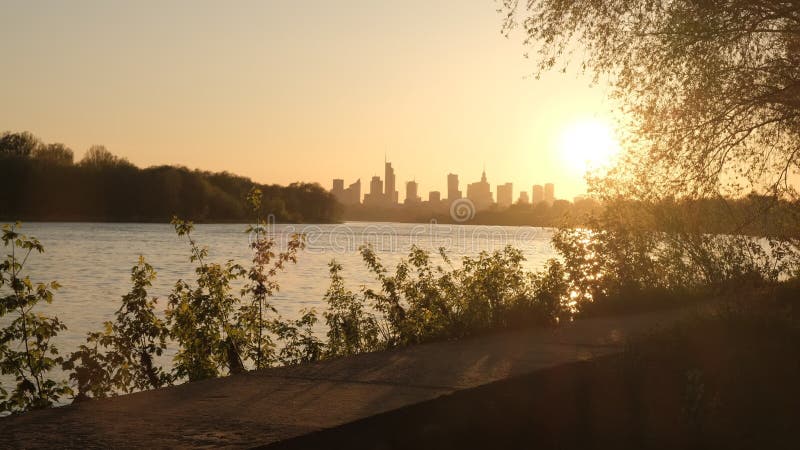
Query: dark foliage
x=26 y=350
x=710 y=89
x=103 y=187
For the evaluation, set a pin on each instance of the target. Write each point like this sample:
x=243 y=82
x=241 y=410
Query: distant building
x=505 y=195
x=537 y=194
x=349 y=196
x=411 y=193
x=338 y=190
x=376 y=187
x=452 y=187
x=578 y=199
x=352 y=195
x=523 y=198
x=434 y=197
x=375 y=196
x=549 y=193
x=480 y=193
x=338 y=186
x=390 y=193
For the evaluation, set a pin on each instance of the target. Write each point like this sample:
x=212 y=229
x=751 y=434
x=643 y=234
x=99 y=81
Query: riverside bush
x=422 y=301
x=217 y=330
x=256 y=318
x=200 y=316
x=352 y=327
x=130 y=343
x=26 y=350
x=618 y=256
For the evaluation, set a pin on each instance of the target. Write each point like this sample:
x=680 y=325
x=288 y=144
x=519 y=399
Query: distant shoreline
x=233 y=222
x=154 y=221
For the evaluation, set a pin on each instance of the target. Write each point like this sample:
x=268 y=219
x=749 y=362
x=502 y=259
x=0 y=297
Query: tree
x=54 y=153
x=18 y=144
x=40 y=182
x=98 y=156
x=711 y=89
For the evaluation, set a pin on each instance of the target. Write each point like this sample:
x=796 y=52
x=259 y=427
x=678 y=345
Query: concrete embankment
x=273 y=405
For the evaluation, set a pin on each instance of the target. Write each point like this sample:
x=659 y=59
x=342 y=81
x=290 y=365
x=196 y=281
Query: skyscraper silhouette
x=505 y=195
x=411 y=193
x=353 y=193
x=452 y=187
x=376 y=186
x=549 y=193
x=537 y=195
x=390 y=192
x=338 y=186
x=480 y=193
x=375 y=195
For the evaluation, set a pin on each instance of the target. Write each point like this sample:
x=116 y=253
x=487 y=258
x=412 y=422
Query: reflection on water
x=92 y=261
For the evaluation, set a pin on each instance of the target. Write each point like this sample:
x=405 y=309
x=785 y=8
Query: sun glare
x=588 y=145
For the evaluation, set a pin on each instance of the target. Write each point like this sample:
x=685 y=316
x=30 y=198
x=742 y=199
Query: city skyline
x=383 y=192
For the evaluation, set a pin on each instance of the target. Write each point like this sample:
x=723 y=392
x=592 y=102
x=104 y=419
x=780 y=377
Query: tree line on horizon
x=753 y=214
x=40 y=181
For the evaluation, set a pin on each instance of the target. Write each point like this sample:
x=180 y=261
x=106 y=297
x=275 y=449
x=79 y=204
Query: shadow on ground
x=716 y=382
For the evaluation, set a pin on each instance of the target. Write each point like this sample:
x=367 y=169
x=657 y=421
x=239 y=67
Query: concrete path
x=271 y=405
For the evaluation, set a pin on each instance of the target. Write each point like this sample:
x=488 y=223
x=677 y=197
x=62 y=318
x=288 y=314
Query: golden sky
x=285 y=91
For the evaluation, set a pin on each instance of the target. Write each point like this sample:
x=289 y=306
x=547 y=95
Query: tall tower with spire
x=480 y=193
x=390 y=193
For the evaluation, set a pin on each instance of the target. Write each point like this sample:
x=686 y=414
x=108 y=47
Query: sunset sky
x=285 y=91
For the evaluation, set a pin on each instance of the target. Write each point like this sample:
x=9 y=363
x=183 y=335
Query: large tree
x=99 y=157
x=710 y=88
x=18 y=144
x=54 y=153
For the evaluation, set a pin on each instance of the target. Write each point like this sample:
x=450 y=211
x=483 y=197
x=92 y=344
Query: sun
x=588 y=144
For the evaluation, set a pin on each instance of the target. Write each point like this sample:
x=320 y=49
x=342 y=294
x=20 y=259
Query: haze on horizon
x=283 y=91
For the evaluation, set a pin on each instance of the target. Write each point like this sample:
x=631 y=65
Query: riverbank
x=273 y=405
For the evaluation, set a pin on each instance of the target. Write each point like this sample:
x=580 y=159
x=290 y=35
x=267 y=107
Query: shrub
x=351 y=328
x=200 y=317
x=252 y=317
x=131 y=343
x=300 y=345
x=422 y=301
x=627 y=253
x=26 y=351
